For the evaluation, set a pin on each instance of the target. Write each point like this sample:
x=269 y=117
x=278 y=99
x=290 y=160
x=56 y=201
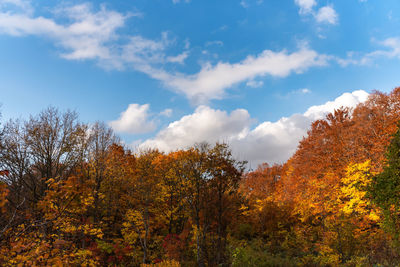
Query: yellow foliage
x=3 y=194
x=166 y=263
x=353 y=191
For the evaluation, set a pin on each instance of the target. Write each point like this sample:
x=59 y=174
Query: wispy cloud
x=93 y=34
x=166 y=112
x=212 y=81
x=392 y=50
x=217 y=43
x=23 y=6
x=304 y=91
x=246 y=3
x=86 y=37
x=255 y=84
x=180 y=1
x=179 y=58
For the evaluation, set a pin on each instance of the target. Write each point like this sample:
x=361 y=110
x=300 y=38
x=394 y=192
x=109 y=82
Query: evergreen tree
x=385 y=189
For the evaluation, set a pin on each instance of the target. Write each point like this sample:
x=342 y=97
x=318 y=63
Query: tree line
x=71 y=194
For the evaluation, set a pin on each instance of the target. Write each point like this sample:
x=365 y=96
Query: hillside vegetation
x=72 y=195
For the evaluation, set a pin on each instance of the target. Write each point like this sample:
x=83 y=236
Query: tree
x=144 y=200
x=46 y=146
x=385 y=189
x=99 y=144
x=225 y=174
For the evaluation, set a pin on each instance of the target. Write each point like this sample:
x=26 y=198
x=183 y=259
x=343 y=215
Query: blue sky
x=168 y=73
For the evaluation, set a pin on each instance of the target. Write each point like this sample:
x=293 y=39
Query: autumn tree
x=72 y=194
x=174 y=209
x=99 y=144
x=225 y=174
x=46 y=146
x=54 y=145
x=144 y=200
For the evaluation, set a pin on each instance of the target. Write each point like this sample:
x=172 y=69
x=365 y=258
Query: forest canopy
x=71 y=194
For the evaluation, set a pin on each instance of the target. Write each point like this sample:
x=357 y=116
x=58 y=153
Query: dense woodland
x=72 y=195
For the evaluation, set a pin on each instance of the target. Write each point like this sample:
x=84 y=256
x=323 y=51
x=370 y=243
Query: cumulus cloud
x=306 y=6
x=134 y=120
x=326 y=14
x=272 y=142
x=345 y=100
x=205 y=124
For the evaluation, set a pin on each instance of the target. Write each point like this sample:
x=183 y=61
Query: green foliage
x=385 y=189
x=74 y=197
x=256 y=254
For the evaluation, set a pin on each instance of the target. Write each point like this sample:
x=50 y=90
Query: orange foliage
x=197 y=207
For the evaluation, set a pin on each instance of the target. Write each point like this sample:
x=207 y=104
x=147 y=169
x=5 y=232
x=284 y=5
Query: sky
x=170 y=73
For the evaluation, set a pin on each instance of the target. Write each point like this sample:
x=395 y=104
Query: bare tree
x=49 y=145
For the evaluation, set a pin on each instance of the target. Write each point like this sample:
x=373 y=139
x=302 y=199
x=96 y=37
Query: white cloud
x=306 y=6
x=393 y=51
x=23 y=6
x=141 y=51
x=327 y=14
x=244 y=4
x=345 y=100
x=211 y=81
x=255 y=84
x=134 y=120
x=86 y=37
x=294 y=93
x=272 y=142
x=89 y=34
x=217 y=43
x=179 y=1
x=179 y=58
x=305 y=91
x=223 y=28
x=205 y=124
x=166 y=112
x=186 y=43
x=93 y=34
